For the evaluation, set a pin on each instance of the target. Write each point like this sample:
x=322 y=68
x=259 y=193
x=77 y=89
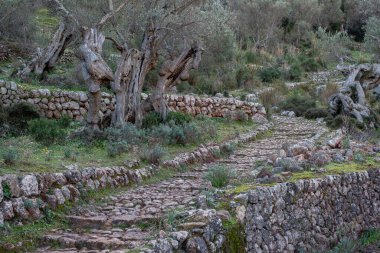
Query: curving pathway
x=125 y=221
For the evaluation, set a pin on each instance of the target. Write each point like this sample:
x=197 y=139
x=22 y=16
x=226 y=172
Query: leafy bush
x=218 y=175
x=90 y=136
x=315 y=113
x=179 y=118
x=227 y=149
x=46 y=131
x=10 y=156
x=269 y=74
x=128 y=132
x=18 y=115
x=151 y=119
x=298 y=103
x=154 y=155
x=64 y=121
x=117 y=148
x=177 y=135
x=308 y=63
x=295 y=72
x=243 y=75
x=241 y=116
x=192 y=133
x=161 y=133
x=250 y=57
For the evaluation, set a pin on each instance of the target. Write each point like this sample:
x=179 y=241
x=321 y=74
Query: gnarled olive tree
x=351 y=99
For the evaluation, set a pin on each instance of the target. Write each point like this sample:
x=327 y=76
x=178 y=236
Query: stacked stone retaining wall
x=314 y=214
x=55 y=103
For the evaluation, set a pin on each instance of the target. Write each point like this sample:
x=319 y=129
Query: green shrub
x=192 y=133
x=207 y=126
x=117 y=148
x=153 y=156
x=46 y=131
x=18 y=116
x=250 y=57
x=6 y=190
x=128 y=132
x=269 y=74
x=227 y=149
x=219 y=176
x=161 y=133
x=308 y=63
x=10 y=156
x=298 y=103
x=235 y=237
x=315 y=113
x=179 y=118
x=64 y=121
x=295 y=72
x=359 y=157
x=177 y=135
x=88 y=136
x=151 y=119
x=67 y=153
x=243 y=75
x=241 y=116
x=346 y=245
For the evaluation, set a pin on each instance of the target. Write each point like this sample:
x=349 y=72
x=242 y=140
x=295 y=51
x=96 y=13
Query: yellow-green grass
x=331 y=169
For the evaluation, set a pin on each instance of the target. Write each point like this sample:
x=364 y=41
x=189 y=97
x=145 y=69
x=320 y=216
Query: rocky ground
x=134 y=218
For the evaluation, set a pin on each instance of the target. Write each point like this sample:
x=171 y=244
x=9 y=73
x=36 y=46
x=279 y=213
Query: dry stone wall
x=55 y=103
x=312 y=214
x=25 y=197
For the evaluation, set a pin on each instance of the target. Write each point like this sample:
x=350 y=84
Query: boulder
x=29 y=185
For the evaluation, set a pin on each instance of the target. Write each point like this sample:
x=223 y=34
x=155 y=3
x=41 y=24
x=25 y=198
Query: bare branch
x=110 y=14
x=66 y=14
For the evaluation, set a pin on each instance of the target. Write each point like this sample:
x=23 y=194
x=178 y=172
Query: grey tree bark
x=171 y=73
x=47 y=58
x=94 y=71
x=351 y=99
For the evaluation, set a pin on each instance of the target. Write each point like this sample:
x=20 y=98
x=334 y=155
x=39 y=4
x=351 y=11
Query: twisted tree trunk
x=94 y=71
x=171 y=73
x=128 y=68
x=351 y=99
x=47 y=58
x=146 y=61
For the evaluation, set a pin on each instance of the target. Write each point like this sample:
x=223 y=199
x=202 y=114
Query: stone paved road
x=117 y=225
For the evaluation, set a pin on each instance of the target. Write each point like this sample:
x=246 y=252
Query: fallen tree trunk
x=351 y=99
x=47 y=58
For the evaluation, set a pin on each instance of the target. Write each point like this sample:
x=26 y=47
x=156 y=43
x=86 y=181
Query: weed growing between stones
x=369 y=241
x=219 y=176
x=6 y=191
x=235 y=237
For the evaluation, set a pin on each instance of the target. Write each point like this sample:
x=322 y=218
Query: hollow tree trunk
x=47 y=58
x=351 y=98
x=94 y=71
x=146 y=61
x=171 y=73
x=128 y=66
